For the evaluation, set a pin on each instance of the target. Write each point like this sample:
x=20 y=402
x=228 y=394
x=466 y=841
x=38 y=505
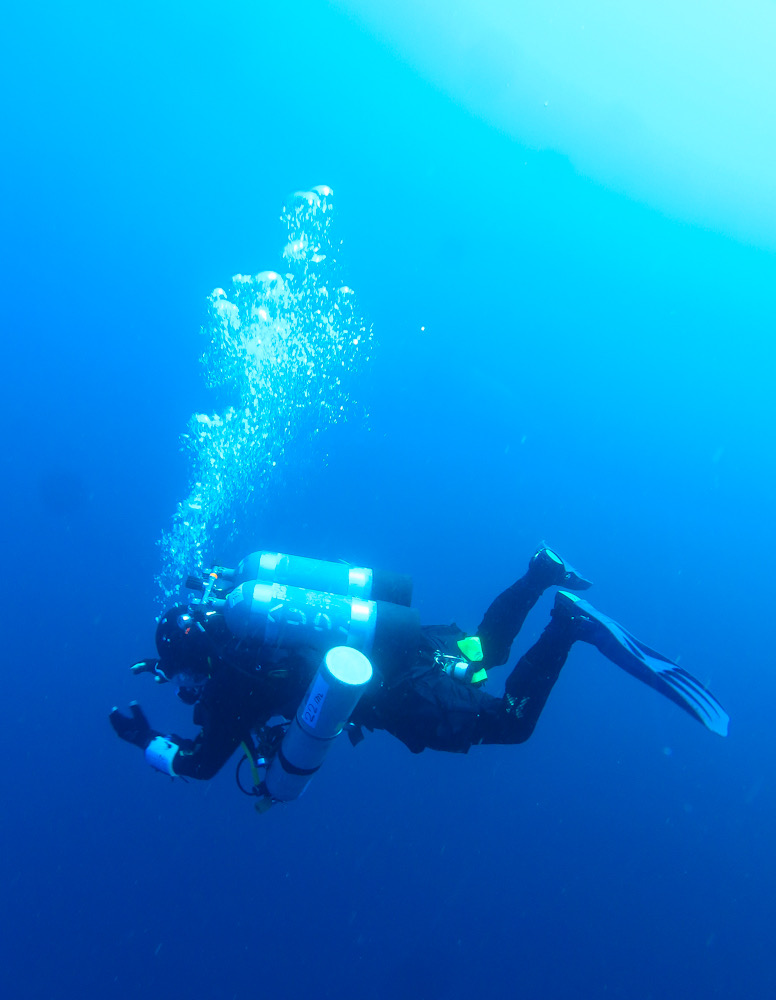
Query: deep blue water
x=590 y=372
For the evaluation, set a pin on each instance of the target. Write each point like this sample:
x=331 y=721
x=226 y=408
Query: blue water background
x=555 y=362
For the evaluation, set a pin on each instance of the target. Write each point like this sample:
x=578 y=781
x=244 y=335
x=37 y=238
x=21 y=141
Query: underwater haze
x=544 y=310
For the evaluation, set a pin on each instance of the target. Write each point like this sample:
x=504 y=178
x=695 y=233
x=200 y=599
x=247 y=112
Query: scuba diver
x=248 y=656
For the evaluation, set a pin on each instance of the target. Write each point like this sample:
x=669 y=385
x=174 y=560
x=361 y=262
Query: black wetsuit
x=422 y=706
x=427 y=708
x=237 y=699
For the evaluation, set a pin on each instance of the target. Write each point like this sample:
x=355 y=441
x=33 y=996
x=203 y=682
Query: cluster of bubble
x=283 y=350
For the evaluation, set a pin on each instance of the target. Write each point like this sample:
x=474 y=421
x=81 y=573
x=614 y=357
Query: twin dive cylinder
x=327 y=577
x=279 y=616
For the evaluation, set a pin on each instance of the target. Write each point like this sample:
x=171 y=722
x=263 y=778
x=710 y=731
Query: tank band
x=360 y=582
x=289 y=768
x=160 y=754
x=362 y=624
x=268 y=562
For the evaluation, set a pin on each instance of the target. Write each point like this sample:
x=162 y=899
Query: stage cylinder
x=330 y=700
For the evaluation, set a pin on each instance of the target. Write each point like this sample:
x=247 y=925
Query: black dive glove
x=133 y=728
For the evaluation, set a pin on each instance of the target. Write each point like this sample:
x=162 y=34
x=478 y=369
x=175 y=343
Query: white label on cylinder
x=312 y=710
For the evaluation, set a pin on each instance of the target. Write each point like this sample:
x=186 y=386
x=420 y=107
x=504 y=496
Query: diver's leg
x=430 y=709
x=436 y=711
x=506 y=615
x=528 y=686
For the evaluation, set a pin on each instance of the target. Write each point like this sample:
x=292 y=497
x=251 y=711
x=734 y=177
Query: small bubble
x=286 y=349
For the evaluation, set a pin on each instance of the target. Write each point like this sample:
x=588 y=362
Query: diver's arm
x=173 y=755
x=203 y=757
x=228 y=709
x=160 y=751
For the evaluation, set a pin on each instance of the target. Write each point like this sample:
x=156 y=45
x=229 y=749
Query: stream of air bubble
x=284 y=351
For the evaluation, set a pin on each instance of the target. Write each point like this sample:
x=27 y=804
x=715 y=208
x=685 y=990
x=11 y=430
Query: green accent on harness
x=471 y=647
x=479 y=677
x=254 y=770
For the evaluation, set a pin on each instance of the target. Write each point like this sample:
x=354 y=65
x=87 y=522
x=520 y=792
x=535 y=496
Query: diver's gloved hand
x=148 y=667
x=133 y=728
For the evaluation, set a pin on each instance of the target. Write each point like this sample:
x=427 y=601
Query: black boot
x=551 y=570
x=504 y=618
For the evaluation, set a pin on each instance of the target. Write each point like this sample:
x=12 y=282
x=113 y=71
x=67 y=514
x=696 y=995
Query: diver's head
x=185 y=640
